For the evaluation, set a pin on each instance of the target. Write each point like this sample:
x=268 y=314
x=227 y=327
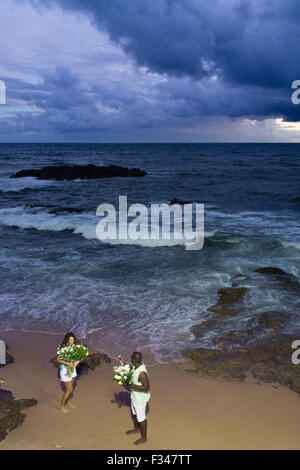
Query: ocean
x=57 y=276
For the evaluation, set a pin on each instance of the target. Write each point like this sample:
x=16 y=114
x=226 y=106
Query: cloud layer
x=139 y=70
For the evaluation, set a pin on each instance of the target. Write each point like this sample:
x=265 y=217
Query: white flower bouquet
x=73 y=353
x=123 y=374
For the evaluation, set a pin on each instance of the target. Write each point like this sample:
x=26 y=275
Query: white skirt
x=64 y=376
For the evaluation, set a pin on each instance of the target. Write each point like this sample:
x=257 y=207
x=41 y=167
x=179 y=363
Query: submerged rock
x=229 y=301
x=60 y=173
x=259 y=349
x=262 y=325
x=198 y=330
x=270 y=270
x=288 y=280
x=269 y=360
x=272 y=320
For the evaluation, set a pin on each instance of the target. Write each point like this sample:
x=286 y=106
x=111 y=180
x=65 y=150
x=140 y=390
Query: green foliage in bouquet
x=123 y=374
x=73 y=353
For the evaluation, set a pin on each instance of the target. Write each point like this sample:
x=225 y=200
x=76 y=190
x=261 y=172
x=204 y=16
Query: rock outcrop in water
x=60 y=173
x=269 y=360
x=286 y=279
x=229 y=301
x=260 y=350
x=10 y=408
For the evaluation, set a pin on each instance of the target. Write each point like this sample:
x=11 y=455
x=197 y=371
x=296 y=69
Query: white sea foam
x=19 y=184
x=83 y=224
x=8 y=184
x=293 y=245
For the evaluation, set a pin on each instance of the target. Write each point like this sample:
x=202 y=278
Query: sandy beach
x=185 y=411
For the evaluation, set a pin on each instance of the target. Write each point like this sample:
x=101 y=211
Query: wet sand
x=185 y=411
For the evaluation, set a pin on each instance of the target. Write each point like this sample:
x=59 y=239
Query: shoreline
x=186 y=410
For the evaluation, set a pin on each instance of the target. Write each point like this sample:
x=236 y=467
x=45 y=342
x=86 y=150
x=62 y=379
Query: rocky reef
x=287 y=280
x=229 y=301
x=11 y=415
x=10 y=412
x=269 y=360
x=261 y=350
x=60 y=173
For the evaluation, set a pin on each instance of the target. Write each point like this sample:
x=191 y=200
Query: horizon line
x=142 y=143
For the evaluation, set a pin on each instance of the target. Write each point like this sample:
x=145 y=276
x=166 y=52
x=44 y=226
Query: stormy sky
x=149 y=70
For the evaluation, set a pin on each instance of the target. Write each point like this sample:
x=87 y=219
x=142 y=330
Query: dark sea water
x=57 y=276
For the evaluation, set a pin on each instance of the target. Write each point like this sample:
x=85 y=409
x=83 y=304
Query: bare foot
x=64 y=410
x=132 y=431
x=70 y=404
x=142 y=440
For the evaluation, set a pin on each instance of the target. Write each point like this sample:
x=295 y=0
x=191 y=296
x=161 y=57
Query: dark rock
x=178 y=201
x=266 y=324
x=10 y=408
x=24 y=403
x=262 y=325
x=60 y=173
x=91 y=362
x=273 y=320
x=198 y=330
x=233 y=338
x=269 y=360
x=270 y=270
x=95 y=360
x=10 y=412
x=10 y=416
x=289 y=281
x=229 y=301
x=217 y=364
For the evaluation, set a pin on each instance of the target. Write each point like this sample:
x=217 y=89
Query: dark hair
x=66 y=339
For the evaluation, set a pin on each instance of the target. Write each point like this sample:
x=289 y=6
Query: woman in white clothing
x=69 y=339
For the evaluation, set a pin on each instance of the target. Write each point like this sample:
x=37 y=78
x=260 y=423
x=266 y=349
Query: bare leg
x=69 y=390
x=68 y=401
x=136 y=427
x=143 y=429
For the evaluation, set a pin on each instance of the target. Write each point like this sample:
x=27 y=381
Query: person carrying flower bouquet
x=140 y=395
x=67 y=372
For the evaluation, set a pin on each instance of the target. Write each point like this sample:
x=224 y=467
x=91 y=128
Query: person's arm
x=145 y=387
x=70 y=364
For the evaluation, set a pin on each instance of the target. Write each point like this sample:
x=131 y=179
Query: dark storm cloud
x=64 y=108
x=58 y=105
x=186 y=62
x=247 y=41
